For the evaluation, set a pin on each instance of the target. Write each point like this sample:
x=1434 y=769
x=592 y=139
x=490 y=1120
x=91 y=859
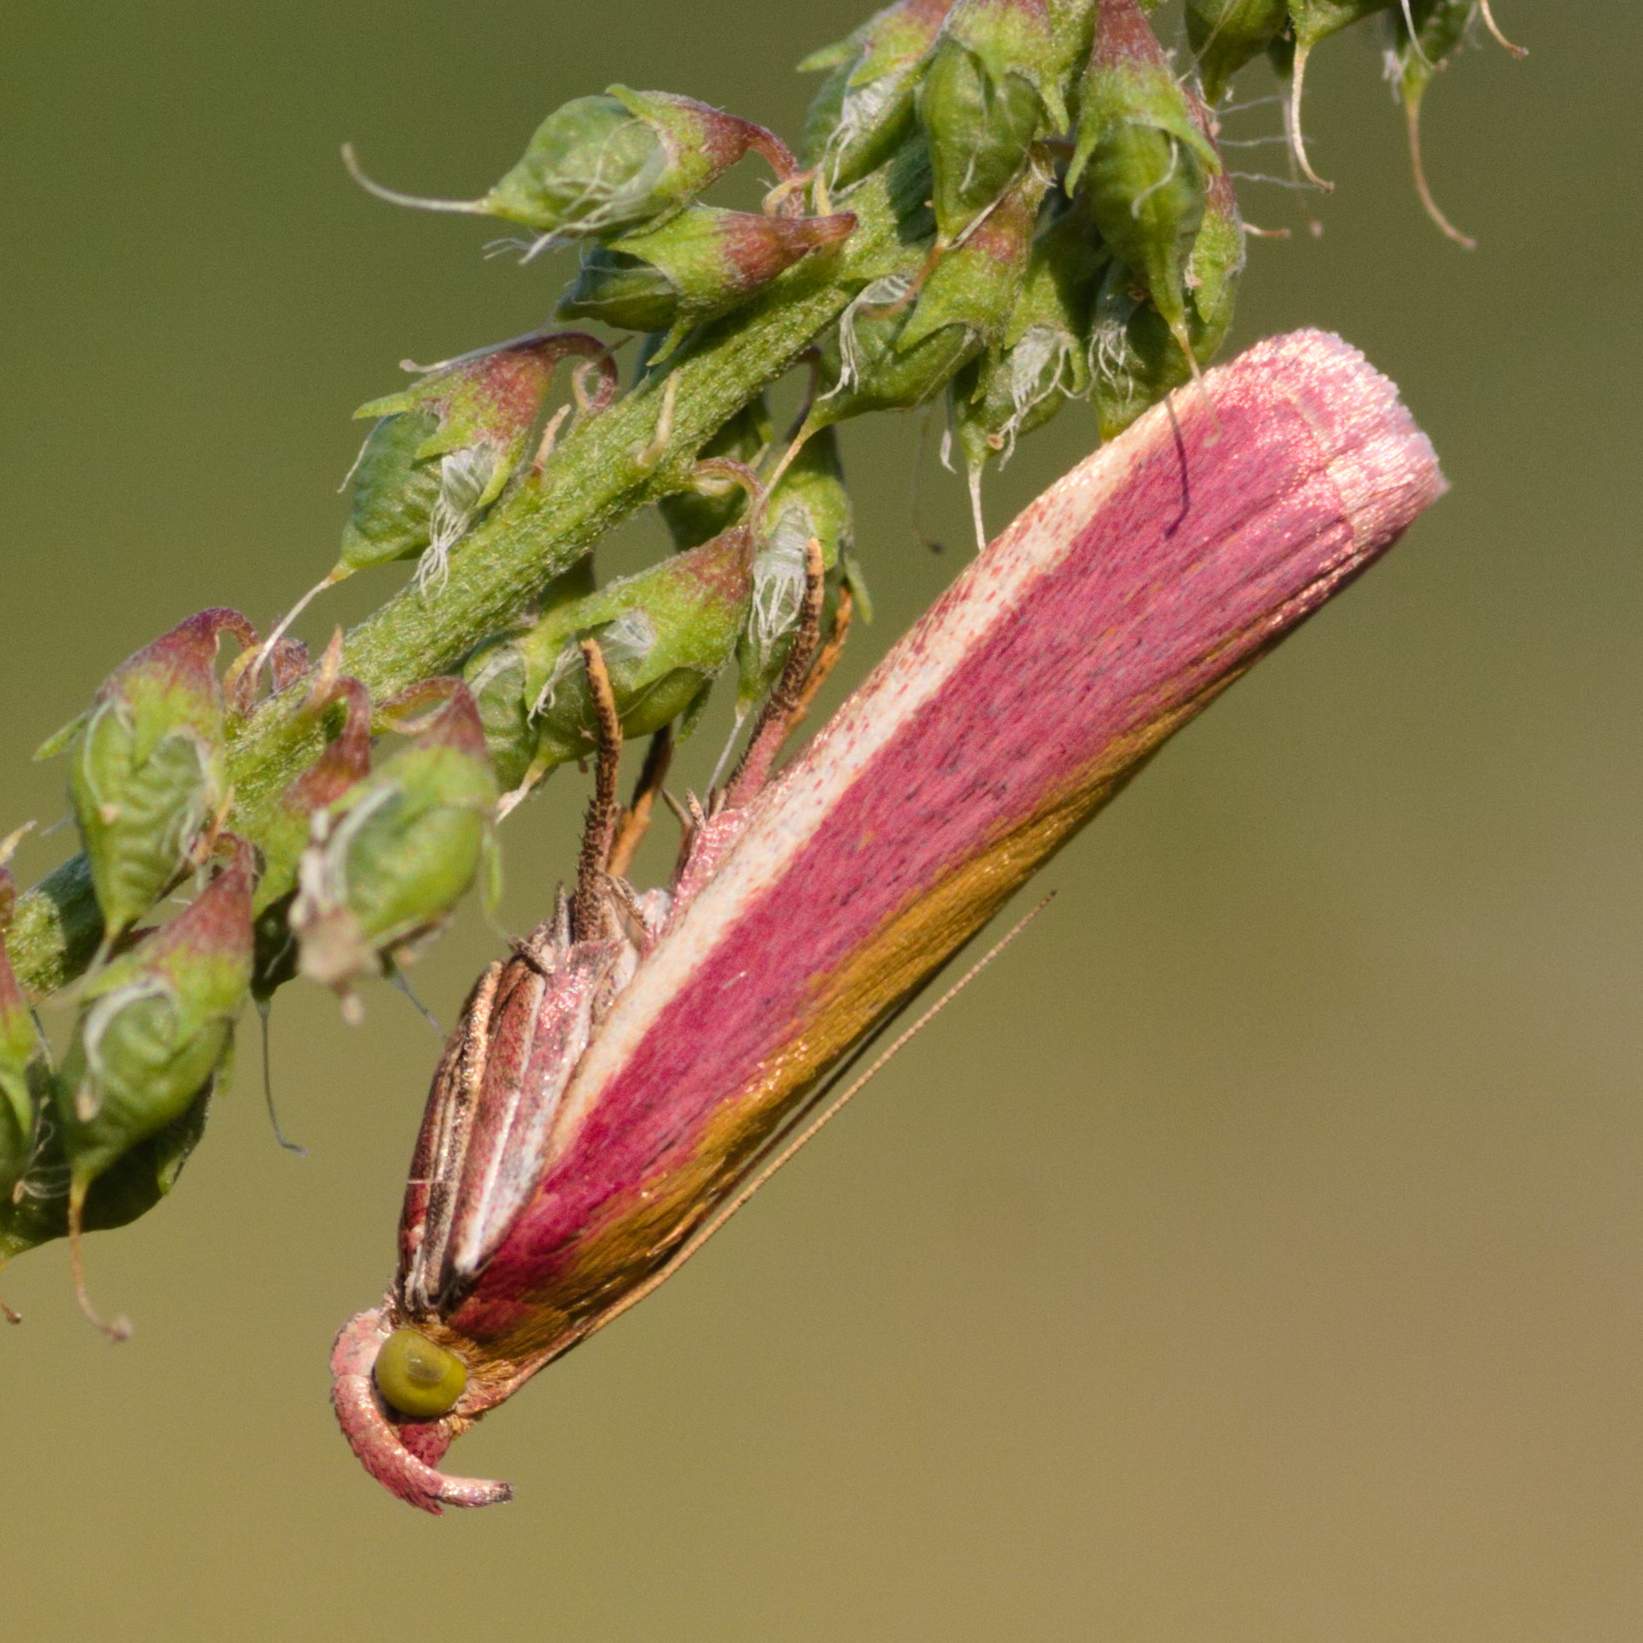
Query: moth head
x=390 y=1388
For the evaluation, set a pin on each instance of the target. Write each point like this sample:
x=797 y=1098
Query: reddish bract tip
x=372 y=1435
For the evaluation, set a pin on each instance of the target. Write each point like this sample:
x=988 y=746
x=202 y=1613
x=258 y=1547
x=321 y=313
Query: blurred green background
x=1257 y=1254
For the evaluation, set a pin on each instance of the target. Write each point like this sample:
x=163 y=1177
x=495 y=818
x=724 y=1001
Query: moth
x=618 y=1084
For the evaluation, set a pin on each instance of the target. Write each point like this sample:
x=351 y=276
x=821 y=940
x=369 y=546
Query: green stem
x=611 y=465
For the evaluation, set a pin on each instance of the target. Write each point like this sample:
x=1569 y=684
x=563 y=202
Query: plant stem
x=640 y=449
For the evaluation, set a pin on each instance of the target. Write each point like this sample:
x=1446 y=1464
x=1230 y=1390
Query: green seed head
x=1142 y=159
x=146 y=768
x=155 y=1026
x=695 y=267
x=393 y=855
x=609 y=164
x=417 y=1377
x=443 y=450
x=979 y=129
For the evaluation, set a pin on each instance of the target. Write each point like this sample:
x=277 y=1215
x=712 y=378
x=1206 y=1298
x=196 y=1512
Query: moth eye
x=417 y=1377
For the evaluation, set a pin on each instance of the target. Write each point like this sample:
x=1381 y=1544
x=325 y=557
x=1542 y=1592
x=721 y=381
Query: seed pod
x=989 y=89
x=443 y=450
x=698 y=265
x=1311 y=21
x=865 y=107
x=1227 y=34
x=808 y=503
x=664 y=634
x=285 y=834
x=883 y=357
x=390 y=858
x=603 y=165
x=146 y=775
x=1042 y=360
x=714 y=503
x=1439 y=27
x=153 y=1031
x=1142 y=158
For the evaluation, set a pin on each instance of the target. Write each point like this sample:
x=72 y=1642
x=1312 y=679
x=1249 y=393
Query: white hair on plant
x=883 y=292
x=464 y=476
x=862 y=108
x=1109 y=341
x=1042 y=363
x=778 y=583
x=631 y=637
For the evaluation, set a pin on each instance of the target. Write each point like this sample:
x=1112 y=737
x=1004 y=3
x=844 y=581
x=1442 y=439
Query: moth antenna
x=605 y=807
x=418 y=202
x=265 y=1009
x=827 y=658
x=117 y=1328
x=636 y=818
x=807 y=1127
x=777 y=716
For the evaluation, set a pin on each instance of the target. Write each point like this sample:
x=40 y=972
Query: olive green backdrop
x=1256 y=1254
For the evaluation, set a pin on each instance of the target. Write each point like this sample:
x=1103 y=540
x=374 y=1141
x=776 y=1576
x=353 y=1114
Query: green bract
x=19 y=1055
x=698 y=265
x=979 y=129
x=444 y=449
x=146 y=773
x=1226 y=34
x=864 y=108
x=611 y=164
x=391 y=857
x=664 y=634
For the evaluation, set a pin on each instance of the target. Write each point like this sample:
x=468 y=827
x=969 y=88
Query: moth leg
x=788 y=700
x=605 y=808
x=636 y=817
x=827 y=658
